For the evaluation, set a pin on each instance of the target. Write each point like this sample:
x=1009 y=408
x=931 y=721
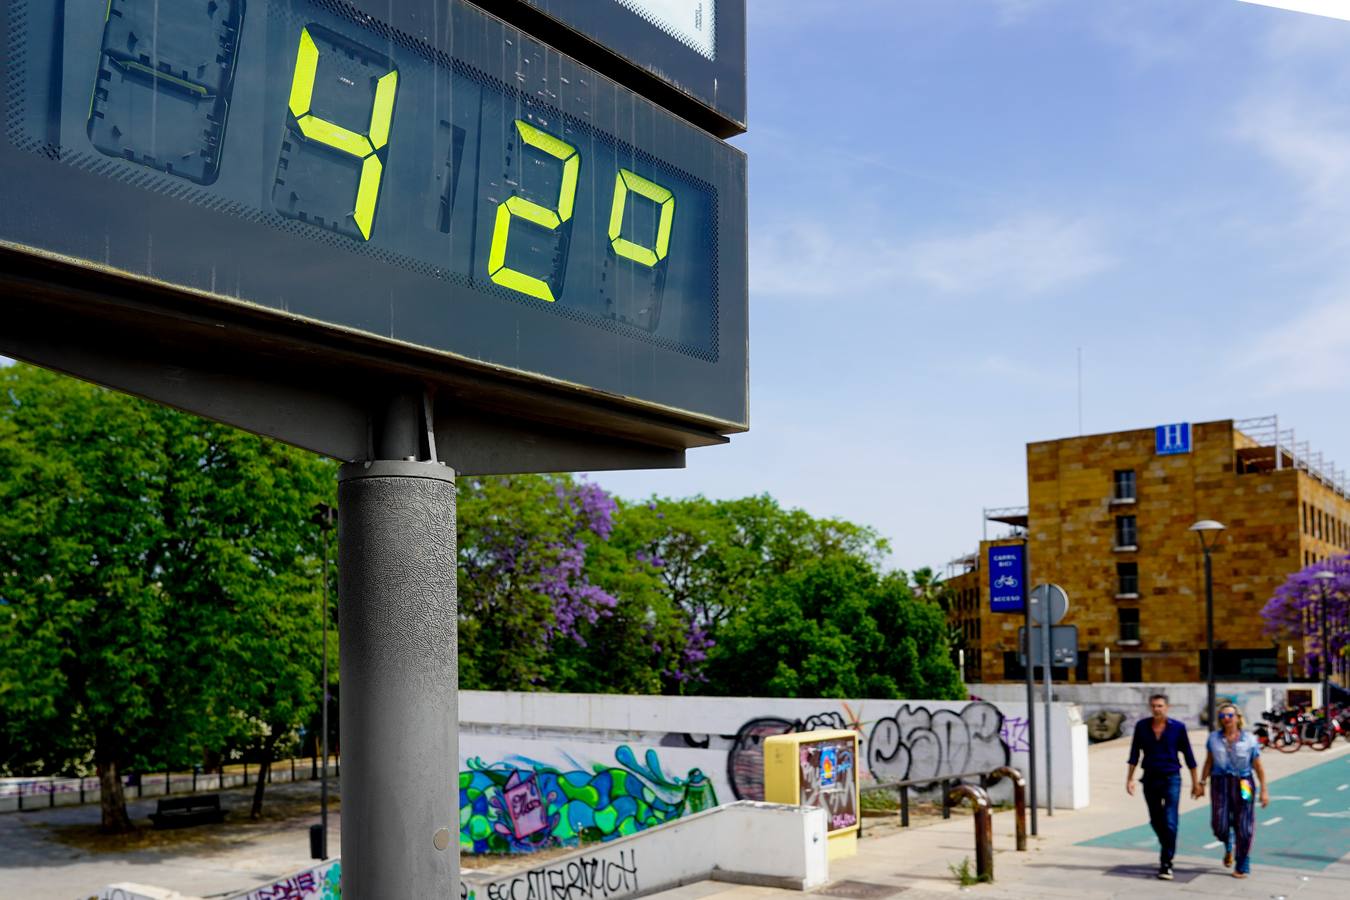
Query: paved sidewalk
x=1059 y=864
x=41 y=859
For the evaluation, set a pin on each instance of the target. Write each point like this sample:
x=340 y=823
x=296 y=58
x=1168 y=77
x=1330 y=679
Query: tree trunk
x=112 y=800
x=264 y=767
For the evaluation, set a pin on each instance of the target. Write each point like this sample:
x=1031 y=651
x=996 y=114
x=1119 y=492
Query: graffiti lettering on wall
x=917 y=743
x=1014 y=734
x=523 y=805
x=319 y=883
x=583 y=878
x=745 y=760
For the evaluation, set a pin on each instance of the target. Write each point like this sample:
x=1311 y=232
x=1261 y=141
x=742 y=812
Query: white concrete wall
x=715 y=737
x=1187 y=699
x=745 y=842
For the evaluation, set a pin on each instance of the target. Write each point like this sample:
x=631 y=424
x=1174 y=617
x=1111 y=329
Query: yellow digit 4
x=533 y=212
x=330 y=134
x=627 y=181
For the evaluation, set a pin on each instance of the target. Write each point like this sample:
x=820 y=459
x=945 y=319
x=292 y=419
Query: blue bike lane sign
x=1007 y=570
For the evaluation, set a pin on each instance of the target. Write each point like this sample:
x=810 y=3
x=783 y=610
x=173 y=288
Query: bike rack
x=984 y=826
x=1019 y=798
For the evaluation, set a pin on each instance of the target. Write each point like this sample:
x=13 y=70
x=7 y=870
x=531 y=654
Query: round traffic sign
x=1048 y=601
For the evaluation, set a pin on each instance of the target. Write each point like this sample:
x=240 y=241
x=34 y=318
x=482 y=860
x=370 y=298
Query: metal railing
x=954 y=791
x=23 y=795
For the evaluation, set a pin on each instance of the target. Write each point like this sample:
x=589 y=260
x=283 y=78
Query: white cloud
x=1307 y=137
x=1026 y=256
x=1308 y=353
x=1030 y=255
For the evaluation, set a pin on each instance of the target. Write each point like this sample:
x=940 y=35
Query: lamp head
x=1208 y=531
x=1325 y=576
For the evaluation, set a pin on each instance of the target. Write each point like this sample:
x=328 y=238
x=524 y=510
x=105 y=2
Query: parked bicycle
x=1288 y=730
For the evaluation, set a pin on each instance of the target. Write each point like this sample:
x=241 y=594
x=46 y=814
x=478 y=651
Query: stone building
x=1108 y=519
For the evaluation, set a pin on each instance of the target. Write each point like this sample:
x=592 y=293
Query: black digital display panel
x=425 y=174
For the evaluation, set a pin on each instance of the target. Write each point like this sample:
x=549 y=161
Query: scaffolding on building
x=1289 y=453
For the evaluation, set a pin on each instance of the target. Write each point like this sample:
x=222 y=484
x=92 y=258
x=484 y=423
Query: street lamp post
x=1325 y=578
x=1207 y=530
x=323 y=516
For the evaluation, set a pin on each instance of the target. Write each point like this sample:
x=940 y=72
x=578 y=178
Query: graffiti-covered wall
x=542 y=770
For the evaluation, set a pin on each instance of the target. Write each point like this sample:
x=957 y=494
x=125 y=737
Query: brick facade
x=1128 y=559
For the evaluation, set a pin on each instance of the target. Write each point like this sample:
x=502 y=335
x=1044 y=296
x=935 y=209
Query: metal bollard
x=984 y=827
x=904 y=806
x=1019 y=799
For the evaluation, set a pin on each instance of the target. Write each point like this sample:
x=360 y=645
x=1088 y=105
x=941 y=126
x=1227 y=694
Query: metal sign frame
x=617 y=40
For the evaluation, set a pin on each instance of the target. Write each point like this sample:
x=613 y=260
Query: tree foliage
x=158 y=580
x=160 y=590
x=1296 y=609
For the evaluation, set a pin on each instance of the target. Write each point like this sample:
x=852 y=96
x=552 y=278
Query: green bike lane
x=1306 y=826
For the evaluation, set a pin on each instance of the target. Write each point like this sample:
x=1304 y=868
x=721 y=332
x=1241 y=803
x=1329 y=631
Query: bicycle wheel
x=1285 y=741
x=1321 y=738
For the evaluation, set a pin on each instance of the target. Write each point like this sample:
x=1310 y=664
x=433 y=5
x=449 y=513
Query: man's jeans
x=1163 y=794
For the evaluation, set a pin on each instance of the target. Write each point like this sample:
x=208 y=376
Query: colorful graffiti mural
x=524 y=805
x=323 y=882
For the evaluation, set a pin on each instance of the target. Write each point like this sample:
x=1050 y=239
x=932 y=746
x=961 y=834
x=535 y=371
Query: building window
x=1126 y=532
x=1013 y=670
x=1080 y=673
x=1124 y=484
x=1127 y=579
x=1129 y=623
x=1132 y=670
x=1305 y=518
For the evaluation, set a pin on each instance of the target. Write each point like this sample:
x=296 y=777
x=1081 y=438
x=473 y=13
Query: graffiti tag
x=583 y=878
x=917 y=743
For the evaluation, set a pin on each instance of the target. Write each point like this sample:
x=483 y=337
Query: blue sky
x=950 y=197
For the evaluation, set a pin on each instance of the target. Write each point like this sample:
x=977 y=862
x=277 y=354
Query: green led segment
x=627 y=181
x=533 y=212
x=330 y=134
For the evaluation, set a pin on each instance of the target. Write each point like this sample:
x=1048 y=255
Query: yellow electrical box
x=817 y=769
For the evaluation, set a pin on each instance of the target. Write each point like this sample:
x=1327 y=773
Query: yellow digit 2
x=362 y=146
x=533 y=212
x=627 y=181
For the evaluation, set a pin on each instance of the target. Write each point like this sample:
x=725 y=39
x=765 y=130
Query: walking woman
x=1233 y=756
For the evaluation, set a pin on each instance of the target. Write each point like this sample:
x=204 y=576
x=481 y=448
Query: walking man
x=1160 y=739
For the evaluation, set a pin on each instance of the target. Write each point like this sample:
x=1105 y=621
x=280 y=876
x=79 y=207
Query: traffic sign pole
x=400 y=729
x=1031 y=690
x=1047 y=665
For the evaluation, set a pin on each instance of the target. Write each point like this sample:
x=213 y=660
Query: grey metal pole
x=323 y=778
x=1031 y=685
x=1209 y=638
x=1049 y=699
x=397 y=603
x=1326 y=666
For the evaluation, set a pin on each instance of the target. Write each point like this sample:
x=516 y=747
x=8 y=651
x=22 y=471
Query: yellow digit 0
x=533 y=212
x=362 y=146
x=627 y=181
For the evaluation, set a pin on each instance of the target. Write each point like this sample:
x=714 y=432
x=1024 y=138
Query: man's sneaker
x=1164 y=873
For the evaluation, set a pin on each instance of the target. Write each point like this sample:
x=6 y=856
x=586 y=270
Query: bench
x=179 y=812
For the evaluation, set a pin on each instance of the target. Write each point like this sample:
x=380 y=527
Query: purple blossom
x=1296 y=609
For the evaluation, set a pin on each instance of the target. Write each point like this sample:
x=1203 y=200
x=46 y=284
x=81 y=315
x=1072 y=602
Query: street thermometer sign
x=368 y=190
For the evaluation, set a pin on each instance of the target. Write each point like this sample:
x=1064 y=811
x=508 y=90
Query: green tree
x=157 y=593
x=834 y=627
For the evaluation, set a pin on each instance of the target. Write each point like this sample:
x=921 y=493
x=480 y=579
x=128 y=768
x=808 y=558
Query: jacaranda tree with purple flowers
x=545 y=601
x=1295 y=610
